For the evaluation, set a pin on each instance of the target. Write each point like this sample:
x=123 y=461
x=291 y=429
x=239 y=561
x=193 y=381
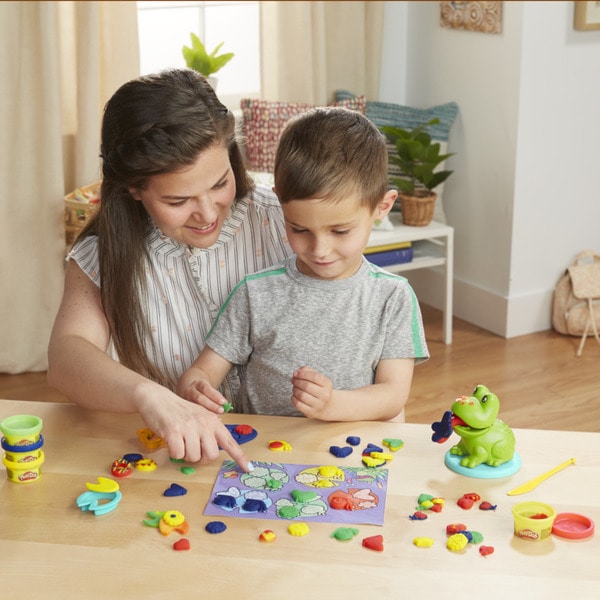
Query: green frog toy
x=485 y=439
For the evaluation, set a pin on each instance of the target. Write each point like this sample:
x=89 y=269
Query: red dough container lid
x=572 y=526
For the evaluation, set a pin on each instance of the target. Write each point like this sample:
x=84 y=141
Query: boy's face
x=329 y=237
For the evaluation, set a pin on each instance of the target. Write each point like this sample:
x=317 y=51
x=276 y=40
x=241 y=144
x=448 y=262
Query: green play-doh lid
x=21 y=425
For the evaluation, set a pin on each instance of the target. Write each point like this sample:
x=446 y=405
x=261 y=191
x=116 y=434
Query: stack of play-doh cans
x=22 y=443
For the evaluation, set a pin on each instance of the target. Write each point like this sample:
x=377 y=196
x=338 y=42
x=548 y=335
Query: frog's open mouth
x=455 y=420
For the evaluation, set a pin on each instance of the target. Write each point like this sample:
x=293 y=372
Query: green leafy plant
x=200 y=60
x=417 y=158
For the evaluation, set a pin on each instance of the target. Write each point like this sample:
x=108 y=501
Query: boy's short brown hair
x=331 y=153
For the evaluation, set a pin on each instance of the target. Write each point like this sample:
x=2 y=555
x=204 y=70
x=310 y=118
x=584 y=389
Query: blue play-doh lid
x=23 y=448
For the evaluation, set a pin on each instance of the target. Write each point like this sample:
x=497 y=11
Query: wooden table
x=51 y=549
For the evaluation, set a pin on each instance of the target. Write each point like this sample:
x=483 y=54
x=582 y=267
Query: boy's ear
x=386 y=203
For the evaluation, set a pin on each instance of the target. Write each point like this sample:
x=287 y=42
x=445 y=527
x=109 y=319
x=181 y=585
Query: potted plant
x=417 y=157
x=200 y=60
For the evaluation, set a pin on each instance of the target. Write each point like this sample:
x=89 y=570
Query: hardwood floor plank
x=540 y=382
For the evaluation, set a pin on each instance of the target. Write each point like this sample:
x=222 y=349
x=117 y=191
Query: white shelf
x=433 y=246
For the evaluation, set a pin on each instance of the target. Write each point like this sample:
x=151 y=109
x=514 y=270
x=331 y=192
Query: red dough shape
x=121 y=468
x=465 y=503
x=455 y=528
x=243 y=429
x=374 y=542
x=473 y=496
x=485 y=550
x=182 y=544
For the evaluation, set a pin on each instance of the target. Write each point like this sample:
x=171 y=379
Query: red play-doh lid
x=572 y=526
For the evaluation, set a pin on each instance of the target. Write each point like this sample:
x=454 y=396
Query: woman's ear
x=134 y=194
x=385 y=204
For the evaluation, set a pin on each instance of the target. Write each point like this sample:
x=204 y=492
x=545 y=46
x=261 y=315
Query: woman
x=180 y=223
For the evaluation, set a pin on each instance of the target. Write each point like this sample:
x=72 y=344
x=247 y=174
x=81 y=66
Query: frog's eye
x=484 y=399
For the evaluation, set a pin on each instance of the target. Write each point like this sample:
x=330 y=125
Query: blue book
x=390 y=257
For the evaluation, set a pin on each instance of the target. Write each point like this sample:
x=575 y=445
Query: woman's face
x=191 y=205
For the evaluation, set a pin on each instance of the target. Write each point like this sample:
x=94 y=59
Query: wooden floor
x=540 y=382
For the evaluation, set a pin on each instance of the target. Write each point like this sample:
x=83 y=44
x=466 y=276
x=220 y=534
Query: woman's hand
x=190 y=431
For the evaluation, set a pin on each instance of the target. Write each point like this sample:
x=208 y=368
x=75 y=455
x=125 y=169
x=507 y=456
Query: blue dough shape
x=133 y=457
x=483 y=471
x=353 y=440
x=239 y=437
x=254 y=505
x=340 y=452
x=371 y=448
x=442 y=430
x=175 y=490
x=215 y=527
x=225 y=501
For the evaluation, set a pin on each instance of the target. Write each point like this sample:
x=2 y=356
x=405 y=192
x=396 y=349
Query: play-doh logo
x=29 y=458
x=528 y=534
x=27 y=476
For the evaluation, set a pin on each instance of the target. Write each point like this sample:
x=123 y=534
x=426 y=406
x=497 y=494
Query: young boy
x=325 y=334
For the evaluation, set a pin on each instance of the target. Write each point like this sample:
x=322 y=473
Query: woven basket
x=80 y=206
x=416 y=211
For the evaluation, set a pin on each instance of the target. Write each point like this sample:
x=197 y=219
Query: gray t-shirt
x=279 y=319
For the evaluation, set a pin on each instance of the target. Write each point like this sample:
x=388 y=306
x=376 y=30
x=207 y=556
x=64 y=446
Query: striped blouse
x=187 y=286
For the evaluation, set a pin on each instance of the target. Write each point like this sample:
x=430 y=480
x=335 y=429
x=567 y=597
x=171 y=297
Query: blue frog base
x=483 y=471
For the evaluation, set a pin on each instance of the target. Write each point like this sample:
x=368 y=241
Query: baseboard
x=505 y=317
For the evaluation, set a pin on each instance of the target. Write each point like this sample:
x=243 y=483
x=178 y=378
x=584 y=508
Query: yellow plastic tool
x=104 y=485
x=530 y=485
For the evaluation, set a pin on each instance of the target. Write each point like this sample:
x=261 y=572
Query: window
x=165 y=27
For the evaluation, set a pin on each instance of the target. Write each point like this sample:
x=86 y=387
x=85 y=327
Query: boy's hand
x=311 y=393
x=204 y=394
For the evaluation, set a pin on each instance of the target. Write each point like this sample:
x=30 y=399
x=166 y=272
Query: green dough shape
x=344 y=534
x=288 y=512
x=300 y=496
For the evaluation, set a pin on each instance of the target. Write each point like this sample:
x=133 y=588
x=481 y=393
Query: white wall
x=526 y=140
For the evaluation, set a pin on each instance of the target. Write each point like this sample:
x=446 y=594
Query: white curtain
x=61 y=61
x=311 y=49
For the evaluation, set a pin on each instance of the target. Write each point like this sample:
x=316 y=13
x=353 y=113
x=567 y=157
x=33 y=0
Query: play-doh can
x=533 y=520
x=24 y=472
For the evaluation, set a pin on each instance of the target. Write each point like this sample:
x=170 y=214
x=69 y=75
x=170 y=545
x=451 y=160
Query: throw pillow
x=409 y=117
x=263 y=122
